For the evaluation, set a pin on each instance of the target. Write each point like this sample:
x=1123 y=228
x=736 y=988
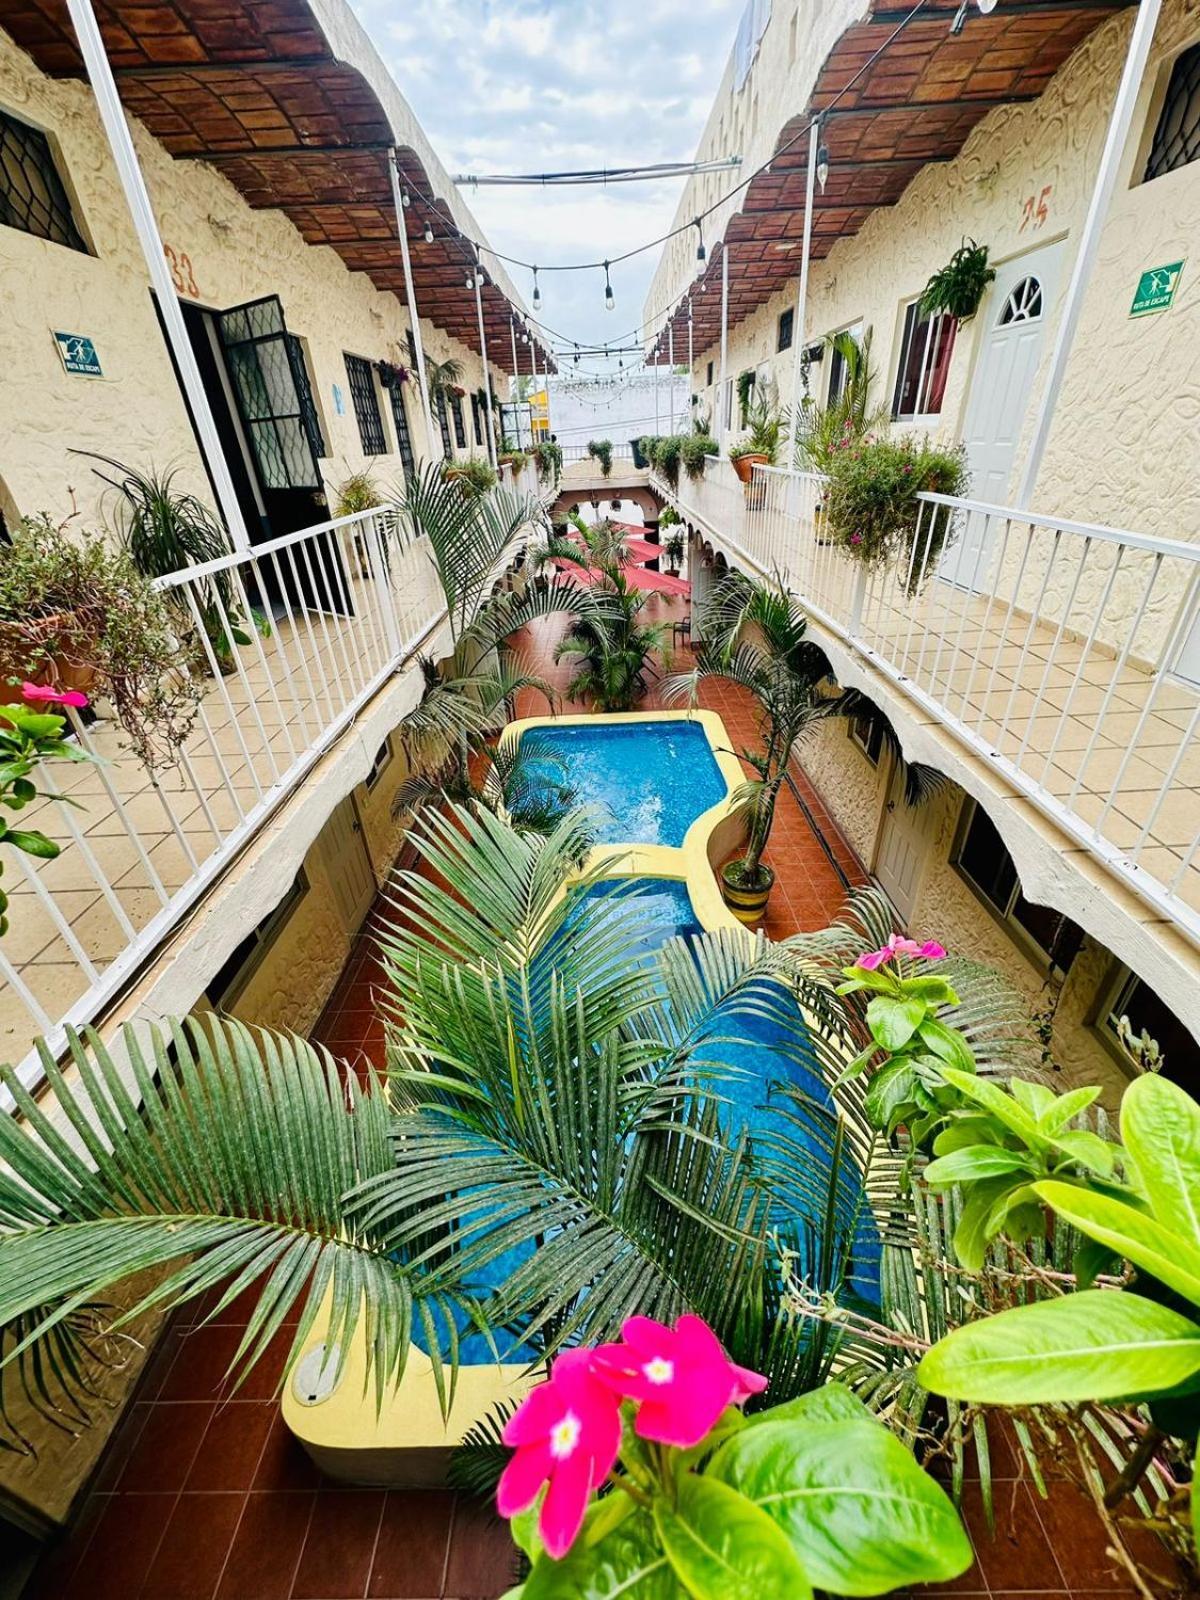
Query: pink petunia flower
x=898 y=945
x=53 y=697
x=566 y=1434
x=681 y=1378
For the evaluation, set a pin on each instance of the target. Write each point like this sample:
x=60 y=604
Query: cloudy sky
x=544 y=85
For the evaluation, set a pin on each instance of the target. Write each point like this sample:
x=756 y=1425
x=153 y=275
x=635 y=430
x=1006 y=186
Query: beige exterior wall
x=1122 y=450
x=947 y=908
x=233 y=254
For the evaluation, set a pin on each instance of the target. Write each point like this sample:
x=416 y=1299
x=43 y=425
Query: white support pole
x=477 y=279
x=516 y=388
x=722 y=430
x=671 y=372
x=657 y=423
x=690 y=356
x=801 y=314
x=1089 y=238
x=108 y=102
x=432 y=440
x=533 y=363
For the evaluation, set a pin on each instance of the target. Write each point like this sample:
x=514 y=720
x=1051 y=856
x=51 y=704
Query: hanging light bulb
x=537 y=293
x=701 y=253
x=609 y=301
x=823 y=165
x=404 y=200
x=960 y=16
x=428 y=233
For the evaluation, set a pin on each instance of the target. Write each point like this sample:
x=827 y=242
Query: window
x=33 y=197
x=230 y=979
x=403 y=436
x=382 y=756
x=1024 y=304
x=866 y=731
x=787 y=321
x=709 y=378
x=444 y=425
x=1133 y=999
x=366 y=405
x=460 y=431
x=309 y=418
x=924 y=363
x=842 y=359
x=1177 y=136
x=477 y=419
x=985 y=863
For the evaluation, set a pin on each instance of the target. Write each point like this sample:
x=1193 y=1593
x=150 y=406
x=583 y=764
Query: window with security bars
x=270 y=380
x=477 y=418
x=444 y=426
x=787 y=322
x=924 y=363
x=1177 y=136
x=403 y=436
x=366 y=405
x=304 y=391
x=460 y=427
x=33 y=196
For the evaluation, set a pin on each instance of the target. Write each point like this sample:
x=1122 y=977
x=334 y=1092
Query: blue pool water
x=766 y=1051
x=649 y=780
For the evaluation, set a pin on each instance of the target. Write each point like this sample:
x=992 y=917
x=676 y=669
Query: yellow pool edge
x=406 y=1442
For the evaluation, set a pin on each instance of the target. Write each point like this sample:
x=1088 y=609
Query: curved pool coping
x=406 y=1442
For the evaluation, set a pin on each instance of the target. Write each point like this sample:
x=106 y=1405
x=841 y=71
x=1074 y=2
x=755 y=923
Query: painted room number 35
x=1034 y=212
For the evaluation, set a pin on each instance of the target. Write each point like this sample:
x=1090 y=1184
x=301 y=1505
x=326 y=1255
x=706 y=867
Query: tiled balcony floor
x=253 y=726
x=201 y=1497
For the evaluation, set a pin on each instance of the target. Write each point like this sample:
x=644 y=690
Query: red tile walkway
x=202 y=1497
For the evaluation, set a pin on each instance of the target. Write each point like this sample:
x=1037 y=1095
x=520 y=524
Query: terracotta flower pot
x=57 y=669
x=747 y=904
x=744 y=465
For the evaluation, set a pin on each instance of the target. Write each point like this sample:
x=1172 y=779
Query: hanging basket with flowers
x=872 y=509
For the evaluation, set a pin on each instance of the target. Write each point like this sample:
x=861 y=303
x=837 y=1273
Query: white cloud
x=544 y=85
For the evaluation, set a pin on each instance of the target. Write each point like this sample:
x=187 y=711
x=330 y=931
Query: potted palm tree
x=756 y=635
x=764 y=429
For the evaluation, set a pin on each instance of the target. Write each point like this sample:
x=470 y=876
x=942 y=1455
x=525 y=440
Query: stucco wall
x=234 y=254
x=1122 y=449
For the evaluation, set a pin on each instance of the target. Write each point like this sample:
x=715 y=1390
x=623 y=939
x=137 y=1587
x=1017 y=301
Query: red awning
x=635 y=577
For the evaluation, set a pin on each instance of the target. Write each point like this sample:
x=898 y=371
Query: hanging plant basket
x=391 y=374
x=957 y=288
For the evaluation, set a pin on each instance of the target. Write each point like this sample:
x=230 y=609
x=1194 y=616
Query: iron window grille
x=787 y=323
x=444 y=426
x=460 y=427
x=304 y=390
x=33 y=197
x=403 y=436
x=1177 y=136
x=266 y=368
x=477 y=419
x=366 y=405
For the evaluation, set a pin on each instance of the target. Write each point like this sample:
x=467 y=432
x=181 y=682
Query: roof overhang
x=292 y=104
x=916 y=104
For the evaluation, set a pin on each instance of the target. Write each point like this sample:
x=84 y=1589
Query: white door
x=901 y=850
x=1016 y=311
x=350 y=872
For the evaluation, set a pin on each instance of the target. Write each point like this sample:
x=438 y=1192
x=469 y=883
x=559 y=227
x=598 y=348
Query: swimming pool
x=649 y=779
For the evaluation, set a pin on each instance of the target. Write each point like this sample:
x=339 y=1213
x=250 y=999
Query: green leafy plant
x=549 y=457
x=695 y=452
x=27 y=738
x=666 y=456
x=872 y=510
x=359 y=492
x=823 y=431
x=765 y=424
x=756 y=635
x=812 y=1494
x=165 y=531
x=78 y=613
x=674 y=547
x=601 y=450
x=443 y=379
x=745 y=389
x=956 y=289
x=475 y=477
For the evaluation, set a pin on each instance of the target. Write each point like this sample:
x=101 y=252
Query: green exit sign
x=1156 y=289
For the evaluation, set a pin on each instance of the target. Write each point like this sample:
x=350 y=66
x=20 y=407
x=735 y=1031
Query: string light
x=405 y=200
x=823 y=165
x=428 y=233
x=537 y=293
x=609 y=301
x=701 y=252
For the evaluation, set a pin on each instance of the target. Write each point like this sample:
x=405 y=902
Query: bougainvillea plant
x=636 y=1473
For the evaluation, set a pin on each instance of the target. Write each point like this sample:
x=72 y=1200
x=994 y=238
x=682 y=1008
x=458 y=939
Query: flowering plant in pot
x=635 y=1470
x=77 y=614
x=872 y=509
x=765 y=424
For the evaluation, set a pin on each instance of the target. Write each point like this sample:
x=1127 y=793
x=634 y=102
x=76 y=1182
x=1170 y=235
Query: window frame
x=57 y=172
x=786 y=319
x=460 y=421
x=368 y=425
x=257 y=945
x=403 y=430
x=911 y=322
x=381 y=761
x=1113 y=1001
x=1159 y=109
x=870 y=744
x=1026 y=941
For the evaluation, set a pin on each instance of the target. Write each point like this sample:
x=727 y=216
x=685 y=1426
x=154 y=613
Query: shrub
x=79 y=609
x=871 y=504
x=549 y=457
x=667 y=454
x=601 y=450
x=475 y=474
x=956 y=289
x=694 y=451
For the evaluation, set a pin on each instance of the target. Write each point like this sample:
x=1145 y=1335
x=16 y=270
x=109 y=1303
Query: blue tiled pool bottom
x=649 y=780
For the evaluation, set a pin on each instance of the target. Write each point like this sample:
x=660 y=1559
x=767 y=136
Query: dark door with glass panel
x=270 y=383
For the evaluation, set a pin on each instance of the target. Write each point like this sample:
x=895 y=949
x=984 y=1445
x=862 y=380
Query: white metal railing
x=1066 y=655
x=621 y=451
x=717 y=499
x=346 y=602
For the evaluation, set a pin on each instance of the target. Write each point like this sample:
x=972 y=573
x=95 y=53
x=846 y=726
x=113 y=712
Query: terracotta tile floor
x=200 y=1497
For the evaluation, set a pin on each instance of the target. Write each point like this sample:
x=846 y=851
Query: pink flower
x=681 y=1378
x=566 y=1434
x=53 y=697
x=856 y=538
x=897 y=945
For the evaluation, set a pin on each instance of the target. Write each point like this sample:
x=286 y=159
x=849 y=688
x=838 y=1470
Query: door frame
x=895 y=776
